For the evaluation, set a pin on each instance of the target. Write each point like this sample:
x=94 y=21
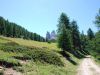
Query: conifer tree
x=90 y=34
x=75 y=35
x=63 y=33
x=84 y=41
x=10 y=29
x=97 y=20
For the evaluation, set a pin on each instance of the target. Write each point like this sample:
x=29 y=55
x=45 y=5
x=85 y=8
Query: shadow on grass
x=21 y=58
x=8 y=64
x=77 y=54
x=11 y=44
x=67 y=56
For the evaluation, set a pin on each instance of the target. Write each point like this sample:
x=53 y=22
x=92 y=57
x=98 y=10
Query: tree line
x=68 y=34
x=10 y=29
x=93 y=45
x=71 y=40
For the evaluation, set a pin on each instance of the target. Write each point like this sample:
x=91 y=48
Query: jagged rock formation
x=51 y=36
x=48 y=36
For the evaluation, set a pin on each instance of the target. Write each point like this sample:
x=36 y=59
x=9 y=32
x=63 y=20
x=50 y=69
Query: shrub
x=36 y=54
x=13 y=48
x=44 y=56
x=11 y=44
x=9 y=62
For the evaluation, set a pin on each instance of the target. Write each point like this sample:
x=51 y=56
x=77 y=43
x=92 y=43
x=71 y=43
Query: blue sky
x=41 y=16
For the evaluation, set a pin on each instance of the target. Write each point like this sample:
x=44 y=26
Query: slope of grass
x=15 y=47
x=37 y=68
x=30 y=43
x=3 y=40
x=35 y=54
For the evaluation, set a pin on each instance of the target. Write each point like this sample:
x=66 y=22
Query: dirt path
x=10 y=71
x=88 y=67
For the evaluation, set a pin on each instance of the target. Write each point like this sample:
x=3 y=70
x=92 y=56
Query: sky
x=40 y=16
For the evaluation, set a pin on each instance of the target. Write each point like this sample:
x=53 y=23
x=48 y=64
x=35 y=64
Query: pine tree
x=35 y=36
x=63 y=33
x=63 y=39
x=90 y=34
x=84 y=42
x=75 y=35
x=64 y=20
x=8 y=29
x=97 y=21
x=2 y=26
x=11 y=29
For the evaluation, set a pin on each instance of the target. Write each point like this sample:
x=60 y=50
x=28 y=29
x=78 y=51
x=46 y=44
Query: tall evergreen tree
x=8 y=30
x=97 y=20
x=63 y=39
x=90 y=34
x=84 y=42
x=63 y=20
x=75 y=35
x=2 y=26
x=63 y=33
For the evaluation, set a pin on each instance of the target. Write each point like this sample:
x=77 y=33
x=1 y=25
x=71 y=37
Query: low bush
x=13 y=48
x=11 y=44
x=36 y=54
x=9 y=62
x=44 y=56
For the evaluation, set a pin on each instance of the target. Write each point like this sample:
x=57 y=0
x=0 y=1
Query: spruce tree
x=90 y=34
x=63 y=39
x=84 y=42
x=64 y=20
x=75 y=35
x=97 y=20
x=2 y=26
x=63 y=33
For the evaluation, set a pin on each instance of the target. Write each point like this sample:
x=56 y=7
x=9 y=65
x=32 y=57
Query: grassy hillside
x=34 y=58
x=33 y=43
